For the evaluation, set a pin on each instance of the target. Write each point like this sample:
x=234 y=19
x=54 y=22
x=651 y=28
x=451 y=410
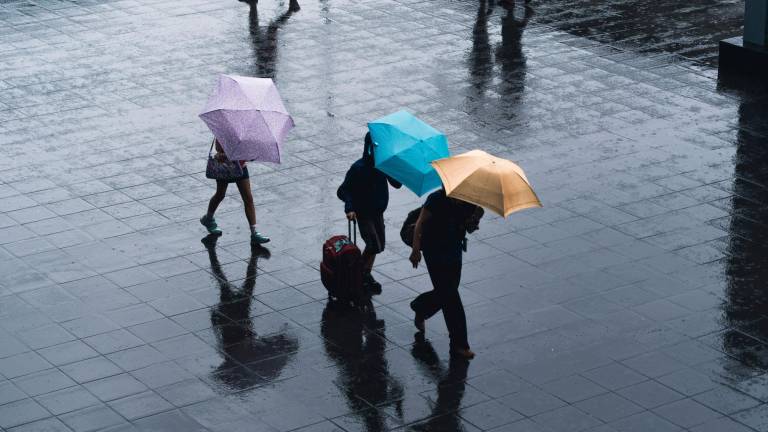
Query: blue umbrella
x=403 y=148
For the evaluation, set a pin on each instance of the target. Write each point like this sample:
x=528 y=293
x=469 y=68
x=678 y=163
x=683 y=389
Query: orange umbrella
x=488 y=181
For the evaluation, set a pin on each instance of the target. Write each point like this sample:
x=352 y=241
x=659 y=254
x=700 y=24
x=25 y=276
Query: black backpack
x=471 y=224
x=406 y=232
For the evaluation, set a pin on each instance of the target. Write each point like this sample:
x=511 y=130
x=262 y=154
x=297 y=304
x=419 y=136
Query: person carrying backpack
x=366 y=195
x=440 y=233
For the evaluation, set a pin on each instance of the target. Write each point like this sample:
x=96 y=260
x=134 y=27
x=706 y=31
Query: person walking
x=244 y=186
x=440 y=232
x=366 y=195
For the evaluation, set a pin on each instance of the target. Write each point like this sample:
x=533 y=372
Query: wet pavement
x=633 y=301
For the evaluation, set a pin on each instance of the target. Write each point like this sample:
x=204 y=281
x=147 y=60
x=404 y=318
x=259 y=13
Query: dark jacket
x=365 y=188
x=445 y=231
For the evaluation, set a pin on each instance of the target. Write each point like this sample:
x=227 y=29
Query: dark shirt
x=365 y=189
x=444 y=232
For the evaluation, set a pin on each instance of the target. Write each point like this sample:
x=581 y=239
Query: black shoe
x=371 y=284
x=418 y=320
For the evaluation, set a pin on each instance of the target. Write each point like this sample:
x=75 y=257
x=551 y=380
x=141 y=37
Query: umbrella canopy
x=495 y=183
x=403 y=148
x=248 y=118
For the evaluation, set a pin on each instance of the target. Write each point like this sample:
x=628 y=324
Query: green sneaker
x=257 y=238
x=210 y=225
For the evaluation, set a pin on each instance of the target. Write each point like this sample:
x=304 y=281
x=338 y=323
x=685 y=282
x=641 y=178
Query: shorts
x=242 y=177
x=372 y=232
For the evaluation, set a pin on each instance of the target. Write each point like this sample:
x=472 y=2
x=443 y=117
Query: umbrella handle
x=349 y=229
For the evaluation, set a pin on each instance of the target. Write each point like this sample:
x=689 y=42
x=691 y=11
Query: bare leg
x=221 y=192
x=244 y=186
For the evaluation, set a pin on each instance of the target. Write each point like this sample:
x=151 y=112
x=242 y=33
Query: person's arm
x=415 y=257
x=395 y=184
x=220 y=155
x=345 y=195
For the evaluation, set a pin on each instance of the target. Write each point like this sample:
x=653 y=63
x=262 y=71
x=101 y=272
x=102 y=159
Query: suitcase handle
x=350 y=230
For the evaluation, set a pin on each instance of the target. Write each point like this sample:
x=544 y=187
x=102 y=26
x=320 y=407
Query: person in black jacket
x=366 y=195
x=440 y=232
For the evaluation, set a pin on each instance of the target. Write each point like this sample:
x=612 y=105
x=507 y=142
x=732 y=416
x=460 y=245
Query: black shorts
x=372 y=232
x=242 y=177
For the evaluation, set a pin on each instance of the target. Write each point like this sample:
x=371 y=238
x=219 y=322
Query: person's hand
x=415 y=257
x=351 y=216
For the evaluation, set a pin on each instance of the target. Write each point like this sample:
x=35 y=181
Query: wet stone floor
x=634 y=301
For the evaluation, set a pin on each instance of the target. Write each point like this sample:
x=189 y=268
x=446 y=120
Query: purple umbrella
x=248 y=118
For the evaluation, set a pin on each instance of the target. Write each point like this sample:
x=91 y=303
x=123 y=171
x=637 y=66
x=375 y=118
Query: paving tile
x=608 y=407
x=45 y=336
x=756 y=417
x=113 y=341
x=171 y=420
x=566 y=417
x=91 y=369
x=488 y=415
x=140 y=405
x=687 y=381
x=43 y=382
x=531 y=402
x=157 y=330
x=573 y=389
x=723 y=424
x=653 y=364
x=9 y=392
x=161 y=374
x=91 y=419
x=115 y=387
x=22 y=364
x=67 y=400
x=525 y=425
x=186 y=392
x=47 y=425
x=68 y=352
x=644 y=421
x=650 y=394
x=726 y=400
x=20 y=412
x=614 y=376
x=686 y=413
x=90 y=325
x=499 y=383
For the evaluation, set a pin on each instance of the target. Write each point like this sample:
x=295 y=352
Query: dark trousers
x=445 y=276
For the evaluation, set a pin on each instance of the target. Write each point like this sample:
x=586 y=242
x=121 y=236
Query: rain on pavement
x=633 y=301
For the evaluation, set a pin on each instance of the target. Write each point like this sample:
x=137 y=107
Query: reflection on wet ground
x=633 y=301
x=265 y=41
x=690 y=30
x=355 y=342
x=746 y=266
x=249 y=360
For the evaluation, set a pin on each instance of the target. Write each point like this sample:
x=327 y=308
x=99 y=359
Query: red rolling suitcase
x=341 y=270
